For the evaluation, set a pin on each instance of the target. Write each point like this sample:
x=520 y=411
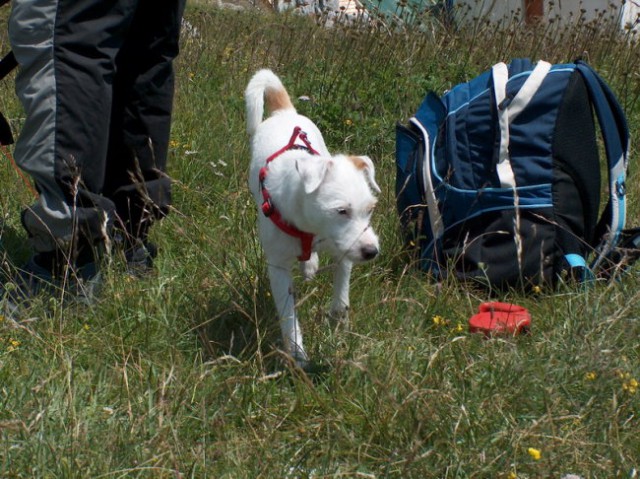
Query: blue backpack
x=499 y=179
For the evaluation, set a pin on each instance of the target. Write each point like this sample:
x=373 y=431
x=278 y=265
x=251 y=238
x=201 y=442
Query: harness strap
x=297 y=133
x=268 y=208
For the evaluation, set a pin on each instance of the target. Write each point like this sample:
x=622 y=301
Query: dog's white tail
x=265 y=86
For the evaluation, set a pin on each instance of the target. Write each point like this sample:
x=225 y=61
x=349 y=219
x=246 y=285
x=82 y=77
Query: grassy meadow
x=180 y=375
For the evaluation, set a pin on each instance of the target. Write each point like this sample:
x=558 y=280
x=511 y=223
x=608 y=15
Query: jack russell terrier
x=308 y=201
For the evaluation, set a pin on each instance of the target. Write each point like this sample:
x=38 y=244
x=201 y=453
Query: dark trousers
x=96 y=81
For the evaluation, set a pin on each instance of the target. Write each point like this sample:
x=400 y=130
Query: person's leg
x=136 y=178
x=66 y=51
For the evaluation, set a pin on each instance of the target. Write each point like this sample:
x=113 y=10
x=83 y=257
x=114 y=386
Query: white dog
x=308 y=201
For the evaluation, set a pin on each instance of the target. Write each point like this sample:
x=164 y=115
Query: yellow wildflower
x=438 y=320
x=512 y=475
x=590 y=376
x=348 y=122
x=227 y=53
x=13 y=345
x=537 y=289
x=622 y=375
x=630 y=386
x=535 y=454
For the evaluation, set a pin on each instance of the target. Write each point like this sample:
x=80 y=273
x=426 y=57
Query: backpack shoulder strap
x=508 y=108
x=428 y=118
x=615 y=134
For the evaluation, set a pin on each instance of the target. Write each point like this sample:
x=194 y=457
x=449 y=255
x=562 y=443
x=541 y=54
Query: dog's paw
x=313 y=371
x=309 y=268
x=302 y=365
x=297 y=357
x=339 y=313
x=317 y=371
x=300 y=362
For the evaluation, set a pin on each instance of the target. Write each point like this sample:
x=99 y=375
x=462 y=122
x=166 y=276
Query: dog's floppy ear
x=312 y=171
x=370 y=173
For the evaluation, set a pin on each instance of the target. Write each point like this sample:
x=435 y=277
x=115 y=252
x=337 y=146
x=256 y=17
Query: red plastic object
x=500 y=318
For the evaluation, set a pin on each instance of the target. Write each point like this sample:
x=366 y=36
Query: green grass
x=180 y=375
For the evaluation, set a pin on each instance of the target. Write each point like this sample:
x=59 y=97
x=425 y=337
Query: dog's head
x=338 y=203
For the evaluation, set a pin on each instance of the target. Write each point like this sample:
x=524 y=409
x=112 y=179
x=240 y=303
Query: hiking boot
x=23 y=285
x=84 y=283
x=33 y=279
x=140 y=259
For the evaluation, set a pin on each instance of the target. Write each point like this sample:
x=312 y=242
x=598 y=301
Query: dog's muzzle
x=369 y=252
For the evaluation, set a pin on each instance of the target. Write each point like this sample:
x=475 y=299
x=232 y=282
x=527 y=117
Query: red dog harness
x=270 y=211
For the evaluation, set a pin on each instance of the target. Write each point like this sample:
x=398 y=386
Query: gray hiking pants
x=96 y=84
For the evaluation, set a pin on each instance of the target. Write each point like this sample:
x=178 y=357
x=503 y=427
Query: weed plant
x=180 y=375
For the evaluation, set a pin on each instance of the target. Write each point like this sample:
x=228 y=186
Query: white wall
x=492 y=10
x=564 y=11
x=631 y=15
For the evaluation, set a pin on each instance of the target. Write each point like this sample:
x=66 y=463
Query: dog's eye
x=343 y=211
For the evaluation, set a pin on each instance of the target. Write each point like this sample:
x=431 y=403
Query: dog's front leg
x=340 y=302
x=282 y=290
x=309 y=268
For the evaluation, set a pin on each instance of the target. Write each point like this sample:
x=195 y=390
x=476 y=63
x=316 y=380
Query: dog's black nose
x=369 y=252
